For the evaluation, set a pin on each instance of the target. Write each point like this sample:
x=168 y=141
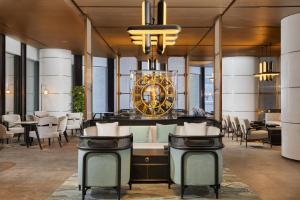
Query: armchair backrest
x=41 y=114
x=47 y=125
x=104 y=161
x=11 y=119
x=234 y=123
x=74 y=118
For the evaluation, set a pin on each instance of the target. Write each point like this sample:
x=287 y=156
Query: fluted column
x=56 y=78
x=239 y=87
x=290 y=86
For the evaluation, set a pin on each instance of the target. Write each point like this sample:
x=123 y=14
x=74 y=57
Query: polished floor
x=35 y=174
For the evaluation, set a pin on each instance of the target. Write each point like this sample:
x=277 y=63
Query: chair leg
x=181 y=191
x=7 y=141
x=241 y=139
x=246 y=143
x=119 y=192
x=66 y=136
x=83 y=193
x=39 y=141
x=59 y=141
x=217 y=187
x=49 y=142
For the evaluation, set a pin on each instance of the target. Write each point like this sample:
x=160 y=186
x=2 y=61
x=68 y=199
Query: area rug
x=232 y=188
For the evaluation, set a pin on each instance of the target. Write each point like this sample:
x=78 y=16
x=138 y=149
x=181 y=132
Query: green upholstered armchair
x=196 y=161
x=104 y=162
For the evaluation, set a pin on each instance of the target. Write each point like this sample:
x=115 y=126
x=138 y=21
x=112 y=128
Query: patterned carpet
x=232 y=188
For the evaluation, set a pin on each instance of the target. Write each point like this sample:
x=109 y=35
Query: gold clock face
x=153 y=94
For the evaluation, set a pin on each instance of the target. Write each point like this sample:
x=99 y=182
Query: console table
x=149 y=165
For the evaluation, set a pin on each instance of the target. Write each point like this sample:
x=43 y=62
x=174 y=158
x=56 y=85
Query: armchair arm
x=5 y=123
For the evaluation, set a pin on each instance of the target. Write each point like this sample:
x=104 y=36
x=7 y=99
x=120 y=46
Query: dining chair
x=47 y=128
x=75 y=122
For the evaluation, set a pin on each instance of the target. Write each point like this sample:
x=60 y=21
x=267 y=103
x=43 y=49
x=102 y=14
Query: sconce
x=45 y=92
x=8 y=91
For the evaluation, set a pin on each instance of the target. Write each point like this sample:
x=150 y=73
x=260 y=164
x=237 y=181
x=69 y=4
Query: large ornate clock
x=153 y=94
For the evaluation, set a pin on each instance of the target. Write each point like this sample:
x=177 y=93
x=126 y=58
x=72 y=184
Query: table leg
x=26 y=135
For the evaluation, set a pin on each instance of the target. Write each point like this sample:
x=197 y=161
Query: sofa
x=153 y=137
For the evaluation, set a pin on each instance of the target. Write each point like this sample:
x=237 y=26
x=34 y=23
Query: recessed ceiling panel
x=170 y=3
x=114 y=17
x=263 y=16
x=193 y=17
x=271 y=3
x=251 y=36
x=190 y=36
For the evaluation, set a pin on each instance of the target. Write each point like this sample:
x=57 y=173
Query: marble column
x=290 y=86
x=239 y=88
x=56 y=78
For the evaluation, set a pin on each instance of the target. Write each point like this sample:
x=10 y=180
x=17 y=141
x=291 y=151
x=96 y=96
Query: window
x=194 y=88
x=127 y=64
x=32 y=86
x=178 y=64
x=11 y=65
x=99 y=85
x=209 y=89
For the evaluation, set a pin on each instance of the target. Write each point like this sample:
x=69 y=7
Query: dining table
x=28 y=126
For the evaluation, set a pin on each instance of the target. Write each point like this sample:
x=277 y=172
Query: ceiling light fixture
x=266 y=67
x=149 y=34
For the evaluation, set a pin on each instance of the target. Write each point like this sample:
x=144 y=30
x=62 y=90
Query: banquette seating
x=203 y=151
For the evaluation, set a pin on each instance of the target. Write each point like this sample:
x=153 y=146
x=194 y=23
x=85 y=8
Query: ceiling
x=247 y=25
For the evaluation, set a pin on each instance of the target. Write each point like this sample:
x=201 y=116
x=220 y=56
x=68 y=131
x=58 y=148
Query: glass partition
x=153 y=93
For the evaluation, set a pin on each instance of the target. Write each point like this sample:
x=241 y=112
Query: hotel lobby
x=149 y=99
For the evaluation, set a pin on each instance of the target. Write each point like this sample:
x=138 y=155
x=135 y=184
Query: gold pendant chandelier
x=266 y=67
x=149 y=34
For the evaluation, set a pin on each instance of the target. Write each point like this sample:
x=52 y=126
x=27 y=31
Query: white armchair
x=74 y=121
x=10 y=121
x=62 y=127
x=41 y=114
x=4 y=134
x=47 y=128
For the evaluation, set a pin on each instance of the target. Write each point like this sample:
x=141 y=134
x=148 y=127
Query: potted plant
x=78 y=99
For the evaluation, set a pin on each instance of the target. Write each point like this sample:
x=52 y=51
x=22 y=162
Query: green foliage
x=78 y=99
